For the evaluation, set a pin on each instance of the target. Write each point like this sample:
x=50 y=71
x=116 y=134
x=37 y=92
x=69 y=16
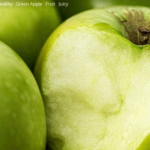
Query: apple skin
x=22 y=115
x=94 y=77
x=78 y=6
x=25 y=29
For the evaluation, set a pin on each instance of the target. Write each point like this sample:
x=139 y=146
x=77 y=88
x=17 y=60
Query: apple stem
x=143 y=35
x=135 y=26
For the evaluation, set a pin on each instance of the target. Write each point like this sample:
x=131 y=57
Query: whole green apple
x=22 y=115
x=68 y=8
x=25 y=28
x=94 y=76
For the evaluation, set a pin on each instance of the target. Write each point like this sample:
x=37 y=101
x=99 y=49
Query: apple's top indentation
x=135 y=24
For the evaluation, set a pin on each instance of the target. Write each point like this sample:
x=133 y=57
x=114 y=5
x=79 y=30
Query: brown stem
x=143 y=35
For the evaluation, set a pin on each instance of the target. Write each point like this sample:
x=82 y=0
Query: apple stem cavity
x=136 y=27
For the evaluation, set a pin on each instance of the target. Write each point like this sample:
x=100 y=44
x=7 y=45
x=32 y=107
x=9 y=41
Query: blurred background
x=76 y=6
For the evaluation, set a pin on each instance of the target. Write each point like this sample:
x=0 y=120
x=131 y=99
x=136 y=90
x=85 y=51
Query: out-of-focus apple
x=25 y=28
x=22 y=115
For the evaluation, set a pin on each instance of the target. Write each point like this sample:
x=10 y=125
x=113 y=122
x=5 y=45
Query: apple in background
x=94 y=76
x=25 y=28
x=76 y=6
x=22 y=115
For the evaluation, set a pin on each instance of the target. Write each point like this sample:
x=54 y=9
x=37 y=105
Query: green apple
x=94 y=76
x=74 y=7
x=22 y=114
x=25 y=28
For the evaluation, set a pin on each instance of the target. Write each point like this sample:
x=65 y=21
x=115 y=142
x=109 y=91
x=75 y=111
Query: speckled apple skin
x=22 y=115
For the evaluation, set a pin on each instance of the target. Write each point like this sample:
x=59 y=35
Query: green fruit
x=25 y=28
x=22 y=115
x=77 y=6
x=94 y=76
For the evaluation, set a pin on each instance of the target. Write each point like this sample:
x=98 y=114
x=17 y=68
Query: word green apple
x=22 y=115
x=94 y=76
x=25 y=28
x=77 y=6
